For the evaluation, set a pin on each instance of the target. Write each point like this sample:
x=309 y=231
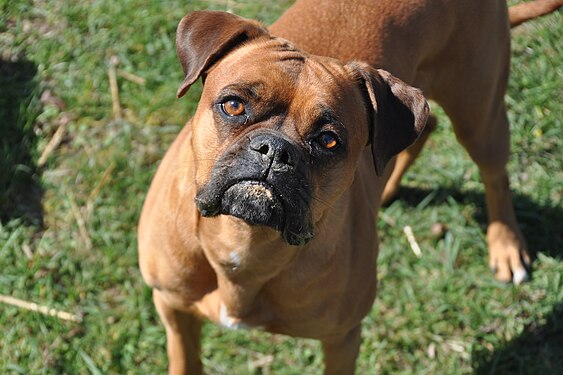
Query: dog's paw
x=508 y=258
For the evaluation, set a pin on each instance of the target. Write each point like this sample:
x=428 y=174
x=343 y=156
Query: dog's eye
x=328 y=140
x=233 y=107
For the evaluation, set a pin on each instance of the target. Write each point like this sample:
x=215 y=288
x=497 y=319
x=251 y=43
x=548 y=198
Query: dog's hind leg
x=480 y=122
x=183 y=335
x=508 y=256
x=471 y=88
x=405 y=160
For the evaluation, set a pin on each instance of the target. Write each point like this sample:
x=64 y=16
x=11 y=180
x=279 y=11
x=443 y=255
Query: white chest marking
x=228 y=321
x=234 y=259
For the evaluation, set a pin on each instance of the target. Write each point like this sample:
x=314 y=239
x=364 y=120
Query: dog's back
x=414 y=40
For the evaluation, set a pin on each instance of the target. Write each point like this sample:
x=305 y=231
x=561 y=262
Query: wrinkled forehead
x=276 y=66
x=269 y=60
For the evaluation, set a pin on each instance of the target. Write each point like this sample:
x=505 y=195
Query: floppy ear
x=398 y=112
x=203 y=37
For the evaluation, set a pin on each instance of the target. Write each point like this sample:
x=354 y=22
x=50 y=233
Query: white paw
x=519 y=276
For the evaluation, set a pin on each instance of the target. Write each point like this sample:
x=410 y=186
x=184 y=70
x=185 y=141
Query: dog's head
x=278 y=132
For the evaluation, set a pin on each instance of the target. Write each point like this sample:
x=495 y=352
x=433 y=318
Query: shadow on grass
x=538 y=350
x=20 y=190
x=540 y=224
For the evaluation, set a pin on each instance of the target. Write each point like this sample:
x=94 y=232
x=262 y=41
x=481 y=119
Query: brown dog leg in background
x=517 y=15
x=478 y=114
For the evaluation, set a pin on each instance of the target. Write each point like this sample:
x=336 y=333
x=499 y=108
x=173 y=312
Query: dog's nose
x=278 y=153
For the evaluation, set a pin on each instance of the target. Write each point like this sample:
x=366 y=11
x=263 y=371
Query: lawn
x=74 y=171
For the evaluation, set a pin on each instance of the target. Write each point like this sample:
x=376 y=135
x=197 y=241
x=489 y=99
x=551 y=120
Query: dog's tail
x=526 y=11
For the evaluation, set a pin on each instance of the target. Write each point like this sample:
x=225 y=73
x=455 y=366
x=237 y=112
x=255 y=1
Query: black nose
x=278 y=153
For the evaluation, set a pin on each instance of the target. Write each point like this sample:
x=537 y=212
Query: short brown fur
x=220 y=267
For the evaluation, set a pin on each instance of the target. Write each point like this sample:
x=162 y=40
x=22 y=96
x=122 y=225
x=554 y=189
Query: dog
x=262 y=212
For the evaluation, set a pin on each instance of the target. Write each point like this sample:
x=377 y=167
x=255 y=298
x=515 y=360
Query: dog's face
x=277 y=133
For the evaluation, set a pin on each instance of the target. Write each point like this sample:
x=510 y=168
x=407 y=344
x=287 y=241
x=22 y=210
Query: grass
x=67 y=228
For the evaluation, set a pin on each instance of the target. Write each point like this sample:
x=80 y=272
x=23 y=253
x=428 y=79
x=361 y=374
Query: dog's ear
x=398 y=112
x=203 y=37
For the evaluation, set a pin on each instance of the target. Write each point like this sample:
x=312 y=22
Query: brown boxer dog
x=262 y=212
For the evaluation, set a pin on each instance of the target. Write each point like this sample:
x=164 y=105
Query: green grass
x=67 y=229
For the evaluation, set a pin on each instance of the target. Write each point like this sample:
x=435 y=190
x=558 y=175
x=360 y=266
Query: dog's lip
x=213 y=208
x=295 y=233
x=253 y=182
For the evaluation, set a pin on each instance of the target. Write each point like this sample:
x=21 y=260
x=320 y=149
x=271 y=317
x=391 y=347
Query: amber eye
x=328 y=140
x=233 y=107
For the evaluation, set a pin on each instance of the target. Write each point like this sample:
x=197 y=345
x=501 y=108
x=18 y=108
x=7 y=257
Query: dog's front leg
x=340 y=353
x=183 y=335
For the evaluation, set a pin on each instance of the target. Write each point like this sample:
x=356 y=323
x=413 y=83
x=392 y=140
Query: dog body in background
x=262 y=213
x=458 y=53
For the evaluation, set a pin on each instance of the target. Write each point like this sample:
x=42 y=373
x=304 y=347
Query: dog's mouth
x=258 y=203
x=255 y=202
